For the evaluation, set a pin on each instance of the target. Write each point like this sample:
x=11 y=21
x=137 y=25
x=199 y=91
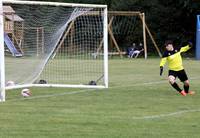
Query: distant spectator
x=134 y=52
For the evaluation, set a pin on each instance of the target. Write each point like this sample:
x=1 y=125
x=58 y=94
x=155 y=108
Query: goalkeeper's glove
x=161 y=70
x=190 y=44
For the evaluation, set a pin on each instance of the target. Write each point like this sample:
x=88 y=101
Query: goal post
x=59 y=55
x=2 y=60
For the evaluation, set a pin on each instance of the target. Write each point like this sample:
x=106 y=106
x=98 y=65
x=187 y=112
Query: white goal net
x=53 y=44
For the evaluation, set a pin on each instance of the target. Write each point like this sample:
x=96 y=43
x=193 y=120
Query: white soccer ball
x=26 y=92
x=10 y=83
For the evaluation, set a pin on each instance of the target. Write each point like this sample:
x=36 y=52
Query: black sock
x=186 y=88
x=175 y=86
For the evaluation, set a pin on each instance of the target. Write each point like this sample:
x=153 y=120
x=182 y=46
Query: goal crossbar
x=54 y=4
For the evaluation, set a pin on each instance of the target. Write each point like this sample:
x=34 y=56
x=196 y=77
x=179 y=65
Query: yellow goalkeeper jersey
x=174 y=58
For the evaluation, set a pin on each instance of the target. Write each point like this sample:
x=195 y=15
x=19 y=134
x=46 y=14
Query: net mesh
x=127 y=30
x=57 y=44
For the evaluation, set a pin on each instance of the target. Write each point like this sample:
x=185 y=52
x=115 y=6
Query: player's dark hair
x=168 y=42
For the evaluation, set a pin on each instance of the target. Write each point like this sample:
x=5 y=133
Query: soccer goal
x=57 y=43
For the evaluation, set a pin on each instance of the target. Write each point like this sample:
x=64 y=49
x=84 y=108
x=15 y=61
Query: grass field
x=138 y=104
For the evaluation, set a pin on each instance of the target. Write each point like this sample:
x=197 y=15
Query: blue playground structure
x=11 y=46
x=198 y=38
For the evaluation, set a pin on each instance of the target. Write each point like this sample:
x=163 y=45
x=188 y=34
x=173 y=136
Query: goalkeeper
x=172 y=55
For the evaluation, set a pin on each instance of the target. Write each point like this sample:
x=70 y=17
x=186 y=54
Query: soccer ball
x=10 y=83
x=26 y=92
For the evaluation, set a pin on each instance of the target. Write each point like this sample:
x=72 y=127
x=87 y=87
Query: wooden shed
x=13 y=26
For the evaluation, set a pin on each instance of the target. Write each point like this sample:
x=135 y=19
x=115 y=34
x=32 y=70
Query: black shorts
x=181 y=74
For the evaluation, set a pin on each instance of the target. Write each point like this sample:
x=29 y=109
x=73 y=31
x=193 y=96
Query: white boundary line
x=141 y=84
x=54 y=95
x=165 y=115
x=150 y=83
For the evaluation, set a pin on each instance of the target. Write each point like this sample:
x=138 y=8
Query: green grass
x=138 y=104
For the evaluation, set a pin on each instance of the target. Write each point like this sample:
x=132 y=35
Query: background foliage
x=167 y=19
